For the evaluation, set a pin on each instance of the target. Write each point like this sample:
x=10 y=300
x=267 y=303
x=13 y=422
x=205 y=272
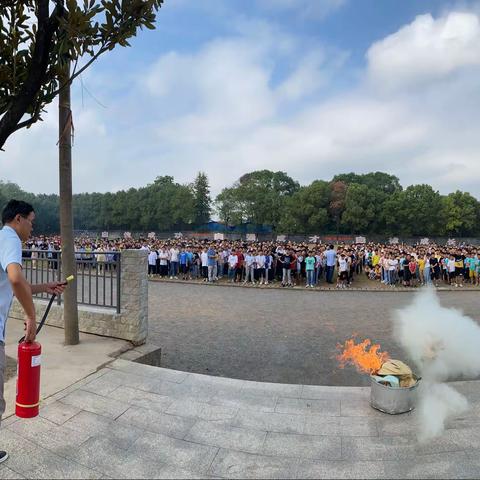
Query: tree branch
x=47 y=26
x=75 y=75
x=34 y=118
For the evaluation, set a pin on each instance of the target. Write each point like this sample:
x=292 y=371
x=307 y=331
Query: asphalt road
x=275 y=335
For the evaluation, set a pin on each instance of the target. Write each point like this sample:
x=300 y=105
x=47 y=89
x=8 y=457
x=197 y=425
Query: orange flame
x=364 y=356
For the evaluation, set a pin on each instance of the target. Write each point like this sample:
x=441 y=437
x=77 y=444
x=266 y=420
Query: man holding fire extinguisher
x=17 y=220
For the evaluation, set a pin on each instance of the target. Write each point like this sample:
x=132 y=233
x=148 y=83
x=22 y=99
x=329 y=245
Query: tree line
x=164 y=205
x=372 y=203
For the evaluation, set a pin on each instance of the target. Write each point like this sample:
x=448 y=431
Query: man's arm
x=52 y=288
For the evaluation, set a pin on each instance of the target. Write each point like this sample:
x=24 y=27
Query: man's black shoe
x=3 y=456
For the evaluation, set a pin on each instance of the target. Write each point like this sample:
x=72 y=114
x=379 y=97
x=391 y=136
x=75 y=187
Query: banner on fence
x=360 y=240
x=425 y=241
x=127 y=235
x=338 y=238
x=104 y=234
x=281 y=238
x=251 y=237
x=218 y=236
x=393 y=241
x=178 y=235
x=314 y=239
x=152 y=235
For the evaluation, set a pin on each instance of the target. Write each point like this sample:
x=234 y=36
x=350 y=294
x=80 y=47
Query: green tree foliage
x=258 y=197
x=460 y=213
x=363 y=208
x=35 y=43
x=338 y=192
x=417 y=210
x=202 y=200
x=46 y=206
x=230 y=207
x=160 y=206
x=378 y=181
x=306 y=211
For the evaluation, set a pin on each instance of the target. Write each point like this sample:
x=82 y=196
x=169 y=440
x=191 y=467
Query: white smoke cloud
x=443 y=344
x=438 y=403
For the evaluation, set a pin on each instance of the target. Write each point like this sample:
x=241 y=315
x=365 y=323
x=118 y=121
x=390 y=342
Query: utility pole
x=70 y=309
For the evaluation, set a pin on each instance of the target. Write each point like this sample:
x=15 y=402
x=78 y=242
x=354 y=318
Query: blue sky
x=310 y=87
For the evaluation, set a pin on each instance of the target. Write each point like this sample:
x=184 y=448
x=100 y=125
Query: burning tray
x=393 y=400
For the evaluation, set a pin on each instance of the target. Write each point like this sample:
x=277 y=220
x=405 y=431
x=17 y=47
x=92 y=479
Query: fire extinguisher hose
x=40 y=325
x=49 y=306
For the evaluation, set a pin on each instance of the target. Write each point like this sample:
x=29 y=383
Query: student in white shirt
x=451 y=269
x=174 y=252
x=232 y=266
x=152 y=262
x=249 y=268
x=392 y=270
x=342 y=271
x=163 y=256
x=204 y=260
x=260 y=267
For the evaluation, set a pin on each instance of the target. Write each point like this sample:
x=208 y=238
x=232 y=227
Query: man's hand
x=56 y=288
x=30 y=330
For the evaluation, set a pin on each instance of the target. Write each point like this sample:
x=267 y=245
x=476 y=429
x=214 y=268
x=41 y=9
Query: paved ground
x=129 y=420
x=61 y=365
x=135 y=421
x=275 y=335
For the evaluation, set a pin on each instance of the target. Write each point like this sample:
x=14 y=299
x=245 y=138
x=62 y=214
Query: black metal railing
x=98 y=275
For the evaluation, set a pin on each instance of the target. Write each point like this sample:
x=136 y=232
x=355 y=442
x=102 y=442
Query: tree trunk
x=70 y=310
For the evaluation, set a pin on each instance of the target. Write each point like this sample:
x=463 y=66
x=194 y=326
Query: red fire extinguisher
x=28 y=378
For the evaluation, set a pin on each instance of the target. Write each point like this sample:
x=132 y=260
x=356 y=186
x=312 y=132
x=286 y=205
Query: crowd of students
x=425 y=265
x=286 y=263
x=311 y=264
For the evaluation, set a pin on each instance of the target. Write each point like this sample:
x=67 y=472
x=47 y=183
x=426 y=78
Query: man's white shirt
x=174 y=255
x=232 y=261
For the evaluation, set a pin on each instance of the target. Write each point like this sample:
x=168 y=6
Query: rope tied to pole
x=68 y=124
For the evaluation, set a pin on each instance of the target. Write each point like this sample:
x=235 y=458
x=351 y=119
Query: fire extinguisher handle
x=40 y=325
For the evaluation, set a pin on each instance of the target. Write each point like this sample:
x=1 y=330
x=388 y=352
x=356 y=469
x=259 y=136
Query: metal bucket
x=393 y=400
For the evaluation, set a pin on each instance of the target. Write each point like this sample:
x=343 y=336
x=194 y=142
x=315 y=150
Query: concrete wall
x=132 y=321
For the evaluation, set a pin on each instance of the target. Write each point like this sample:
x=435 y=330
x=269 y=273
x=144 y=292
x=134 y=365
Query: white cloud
x=426 y=50
x=31 y=156
x=225 y=80
x=416 y=134
x=307 y=78
x=361 y=130
x=227 y=108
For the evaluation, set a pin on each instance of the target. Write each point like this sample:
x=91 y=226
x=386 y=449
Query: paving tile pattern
x=135 y=421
